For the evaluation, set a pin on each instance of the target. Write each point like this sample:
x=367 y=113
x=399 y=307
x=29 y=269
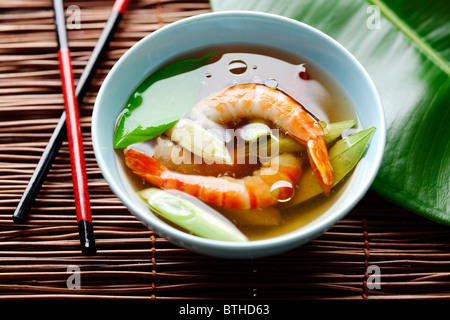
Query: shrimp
x=271 y=184
x=259 y=101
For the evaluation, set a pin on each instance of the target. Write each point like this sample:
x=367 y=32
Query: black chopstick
x=59 y=133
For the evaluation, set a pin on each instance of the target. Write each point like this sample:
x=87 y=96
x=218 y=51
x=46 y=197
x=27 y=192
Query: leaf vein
x=412 y=35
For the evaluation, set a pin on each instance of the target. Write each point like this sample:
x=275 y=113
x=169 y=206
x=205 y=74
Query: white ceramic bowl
x=214 y=29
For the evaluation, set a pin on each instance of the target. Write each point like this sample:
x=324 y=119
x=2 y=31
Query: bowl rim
x=306 y=232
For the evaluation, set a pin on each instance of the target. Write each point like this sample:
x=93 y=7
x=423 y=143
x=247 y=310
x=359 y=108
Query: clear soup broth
x=298 y=78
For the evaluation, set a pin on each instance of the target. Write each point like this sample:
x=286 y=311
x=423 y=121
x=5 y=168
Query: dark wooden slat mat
x=411 y=253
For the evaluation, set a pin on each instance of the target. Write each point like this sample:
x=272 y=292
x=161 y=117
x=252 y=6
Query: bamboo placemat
x=411 y=254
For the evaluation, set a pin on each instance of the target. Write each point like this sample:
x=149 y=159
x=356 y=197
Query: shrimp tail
x=145 y=166
x=320 y=162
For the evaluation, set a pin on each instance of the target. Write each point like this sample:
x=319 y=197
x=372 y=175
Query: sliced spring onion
x=253 y=131
x=344 y=156
x=335 y=129
x=199 y=141
x=191 y=214
x=287 y=144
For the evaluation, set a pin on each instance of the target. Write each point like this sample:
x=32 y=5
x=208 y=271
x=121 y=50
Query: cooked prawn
x=259 y=101
x=272 y=183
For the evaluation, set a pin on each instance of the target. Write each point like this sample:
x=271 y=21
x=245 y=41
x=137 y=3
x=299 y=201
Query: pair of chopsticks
x=69 y=123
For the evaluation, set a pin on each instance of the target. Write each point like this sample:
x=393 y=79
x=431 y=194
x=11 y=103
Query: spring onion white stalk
x=190 y=214
x=253 y=131
x=199 y=141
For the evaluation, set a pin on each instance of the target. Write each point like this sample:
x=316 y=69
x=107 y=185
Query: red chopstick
x=79 y=177
x=80 y=186
x=120 y=6
x=44 y=164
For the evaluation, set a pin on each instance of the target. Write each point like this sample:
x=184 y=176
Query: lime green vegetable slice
x=344 y=156
x=199 y=141
x=335 y=129
x=200 y=220
x=284 y=143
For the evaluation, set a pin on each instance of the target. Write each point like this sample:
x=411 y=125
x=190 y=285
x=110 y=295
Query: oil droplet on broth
x=272 y=83
x=237 y=67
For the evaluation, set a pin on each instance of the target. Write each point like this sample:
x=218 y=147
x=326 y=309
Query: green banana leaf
x=405 y=47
